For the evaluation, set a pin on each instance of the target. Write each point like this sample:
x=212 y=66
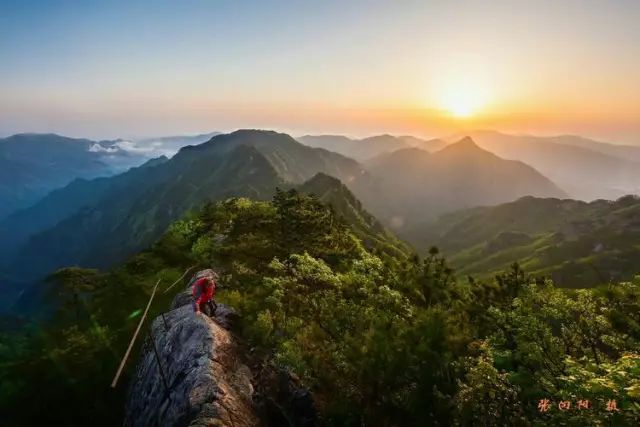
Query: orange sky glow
x=427 y=68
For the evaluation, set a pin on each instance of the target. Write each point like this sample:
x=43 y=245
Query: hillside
x=412 y=185
x=31 y=165
x=241 y=236
x=368 y=148
x=62 y=203
x=360 y=337
x=332 y=192
x=625 y=152
x=585 y=169
x=576 y=243
x=130 y=211
x=293 y=161
x=25 y=297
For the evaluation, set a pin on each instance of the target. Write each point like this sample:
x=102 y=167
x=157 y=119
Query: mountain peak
x=323 y=178
x=465 y=145
x=466 y=142
x=381 y=136
x=154 y=162
x=253 y=137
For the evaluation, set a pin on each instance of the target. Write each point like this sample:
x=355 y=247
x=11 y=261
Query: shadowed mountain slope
x=412 y=185
x=132 y=210
x=372 y=233
x=31 y=165
x=585 y=169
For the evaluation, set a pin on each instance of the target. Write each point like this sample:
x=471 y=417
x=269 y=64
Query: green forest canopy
x=380 y=337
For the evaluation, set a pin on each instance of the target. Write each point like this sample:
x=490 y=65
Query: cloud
x=97 y=148
x=121 y=147
x=132 y=147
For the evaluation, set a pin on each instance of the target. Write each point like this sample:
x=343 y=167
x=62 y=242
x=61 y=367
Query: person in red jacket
x=204 y=289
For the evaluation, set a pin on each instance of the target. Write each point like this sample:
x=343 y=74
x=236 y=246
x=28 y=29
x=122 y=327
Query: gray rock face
x=207 y=383
x=181 y=299
x=225 y=315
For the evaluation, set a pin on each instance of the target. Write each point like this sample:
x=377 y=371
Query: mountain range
x=105 y=220
x=368 y=148
x=96 y=222
x=411 y=185
x=585 y=169
x=577 y=244
x=32 y=165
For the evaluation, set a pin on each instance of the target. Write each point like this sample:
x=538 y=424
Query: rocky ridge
x=203 y=381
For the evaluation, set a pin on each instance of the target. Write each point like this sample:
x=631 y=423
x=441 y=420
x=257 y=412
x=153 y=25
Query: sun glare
x=463 y=101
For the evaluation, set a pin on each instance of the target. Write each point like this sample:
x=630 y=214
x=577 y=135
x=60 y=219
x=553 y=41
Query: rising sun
x=463 y=101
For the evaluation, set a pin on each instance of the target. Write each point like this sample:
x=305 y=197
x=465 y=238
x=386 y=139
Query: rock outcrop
x=207 y=383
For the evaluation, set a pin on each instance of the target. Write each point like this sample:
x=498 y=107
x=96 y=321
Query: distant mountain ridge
x=626 y=152
x=31 y=165
x=98 y=222
x=585 y=169
x=368 y=148
x=294 y=161
x=169 y=145
x=411 y=185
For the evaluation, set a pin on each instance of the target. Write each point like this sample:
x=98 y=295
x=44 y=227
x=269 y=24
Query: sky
x=109 y=69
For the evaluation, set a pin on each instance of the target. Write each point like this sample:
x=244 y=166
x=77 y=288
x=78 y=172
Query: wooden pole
x=181 y=277
x=133 y=339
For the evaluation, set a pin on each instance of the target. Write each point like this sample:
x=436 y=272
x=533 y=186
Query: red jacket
x=203 y=293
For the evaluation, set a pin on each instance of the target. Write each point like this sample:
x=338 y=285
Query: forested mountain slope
x=16 y=229
x=128 y=212
x=576 y=243
x=31 y=165
x=373 y=234
x=375 y=337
